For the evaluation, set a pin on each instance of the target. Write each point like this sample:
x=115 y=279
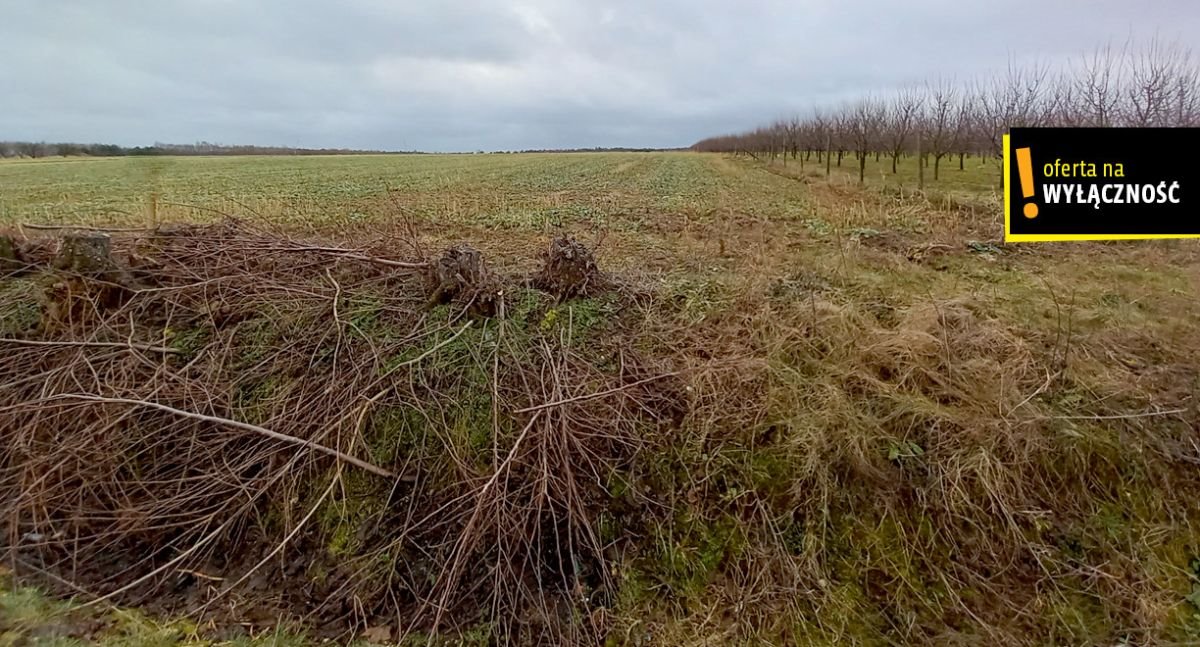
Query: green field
x=504 y=190
x=307 y=191
x=899 y=430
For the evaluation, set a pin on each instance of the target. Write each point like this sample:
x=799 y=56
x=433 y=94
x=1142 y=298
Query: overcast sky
x=452 y=75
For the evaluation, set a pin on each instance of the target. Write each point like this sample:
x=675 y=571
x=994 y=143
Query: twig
x=1049 y=380
x=384 y=391
x=1125 y=416
x=508 y=459
x=422 y=356
x=197 y=208
x=383 y=261
x=170 y=564
x=93 y=344
x=374 y=469
x=346 y=253
x=280 y=546
x=460 y=548
x=28 y=225
x=201 y=576
x=601 y=394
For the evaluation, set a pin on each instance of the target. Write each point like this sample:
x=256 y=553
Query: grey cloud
x=458 y=75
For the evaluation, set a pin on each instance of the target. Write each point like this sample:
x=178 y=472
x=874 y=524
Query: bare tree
x=1008 y=101
x=842 y=132
x=865 y=121
x=943 y=126
x=900 y=122
x=1154 y=84
x=1096 y=84
x=791 y=130
x=1185 y=101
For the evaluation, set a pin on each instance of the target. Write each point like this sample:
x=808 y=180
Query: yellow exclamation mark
x=1025 y=170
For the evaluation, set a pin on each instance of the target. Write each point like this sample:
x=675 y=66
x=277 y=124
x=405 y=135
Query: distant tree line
x=45 y=149
x=60 y=149
x=1155 y=85
x=598 y=149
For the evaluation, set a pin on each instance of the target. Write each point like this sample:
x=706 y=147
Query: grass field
x=503 y=190
x=900 y=430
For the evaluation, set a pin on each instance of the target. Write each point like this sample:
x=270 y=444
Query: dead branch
x=92 y=344
x=374 y=469
x=600 y=394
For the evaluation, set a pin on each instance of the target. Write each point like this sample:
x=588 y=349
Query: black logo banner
x=1100 y=184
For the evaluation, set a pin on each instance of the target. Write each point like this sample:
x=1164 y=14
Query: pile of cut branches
x=191 y=409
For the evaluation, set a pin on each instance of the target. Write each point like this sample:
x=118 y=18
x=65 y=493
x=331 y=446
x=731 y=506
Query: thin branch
x=466 y=536
x=280 y=546
x=600 y=394
x=1126 y=416
x=374 y=469
x=93 y=344
x=29 y=225
x=422 y=356
x=353 y=255
x=380 y=261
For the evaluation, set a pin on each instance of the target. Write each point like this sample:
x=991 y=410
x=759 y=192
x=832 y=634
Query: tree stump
x=570 y=270
x=89 y=254
x=93 y=281
x=86 y=253
x=10 y=255
x=460 y=275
